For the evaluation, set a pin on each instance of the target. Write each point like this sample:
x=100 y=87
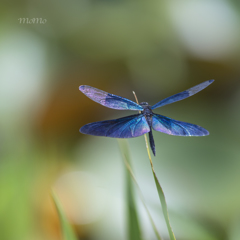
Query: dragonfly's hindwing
x=173 y=127
x=127 y=127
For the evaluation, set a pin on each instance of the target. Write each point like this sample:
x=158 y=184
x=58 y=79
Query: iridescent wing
x=173 y=127
x=126 y=127
x=183 y=95
x=109 y=100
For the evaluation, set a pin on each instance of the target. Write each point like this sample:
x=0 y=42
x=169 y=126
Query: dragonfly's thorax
x=147 y=112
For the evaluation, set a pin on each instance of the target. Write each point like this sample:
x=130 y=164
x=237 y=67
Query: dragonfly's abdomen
x=152 y=144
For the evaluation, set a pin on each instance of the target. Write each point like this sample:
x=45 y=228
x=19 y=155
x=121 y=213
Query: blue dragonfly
x=143 y=122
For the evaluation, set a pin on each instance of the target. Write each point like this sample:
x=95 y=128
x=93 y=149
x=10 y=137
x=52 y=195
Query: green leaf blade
x=133 y=227
x=164 y=207
x=66 y=228
x=161 y=195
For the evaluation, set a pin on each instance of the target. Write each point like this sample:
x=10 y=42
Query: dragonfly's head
x=144 y=104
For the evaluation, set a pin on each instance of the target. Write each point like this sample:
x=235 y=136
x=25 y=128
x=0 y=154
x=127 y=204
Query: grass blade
x=133 y=232
x=160 y=194
x=67 y=231
x=125 y=152
x=159 y=188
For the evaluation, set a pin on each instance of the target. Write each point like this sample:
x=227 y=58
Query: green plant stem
x=142 y=199
x=159 y=188
x=160 y=194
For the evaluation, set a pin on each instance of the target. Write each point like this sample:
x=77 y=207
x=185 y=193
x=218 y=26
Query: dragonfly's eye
x=144 y=104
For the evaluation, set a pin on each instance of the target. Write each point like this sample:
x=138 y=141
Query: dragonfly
x=142 y=122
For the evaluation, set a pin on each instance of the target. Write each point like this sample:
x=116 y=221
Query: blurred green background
x=156 y=48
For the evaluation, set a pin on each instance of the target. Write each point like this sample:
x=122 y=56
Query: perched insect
x=139 y=124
